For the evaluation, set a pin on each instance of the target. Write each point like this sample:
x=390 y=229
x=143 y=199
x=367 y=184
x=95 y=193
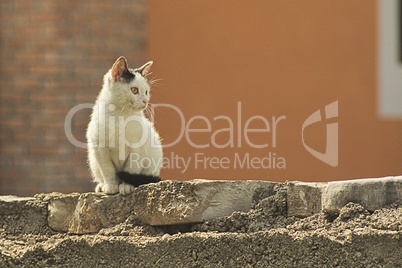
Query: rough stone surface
x=304 y=199
x=111 y=235
x=169 y=202
x=371 y=193
x=23 y=214
x=268 y=213
x=61 y=210
x=353 y=239
x=96 y=211
x=87 y=213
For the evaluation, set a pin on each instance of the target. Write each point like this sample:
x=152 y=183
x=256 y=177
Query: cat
x=124 y=149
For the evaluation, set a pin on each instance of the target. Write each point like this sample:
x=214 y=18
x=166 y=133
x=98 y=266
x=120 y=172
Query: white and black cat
x=124 y=149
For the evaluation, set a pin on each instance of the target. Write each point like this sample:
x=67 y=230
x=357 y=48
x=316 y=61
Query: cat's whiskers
x=150 y=105
x=154 y=81
x=149 y=112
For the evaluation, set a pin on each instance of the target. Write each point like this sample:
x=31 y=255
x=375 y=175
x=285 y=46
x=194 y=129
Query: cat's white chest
x=134 y=136
x=134 y=130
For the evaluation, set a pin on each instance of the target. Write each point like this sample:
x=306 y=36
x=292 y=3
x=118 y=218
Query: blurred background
x=273 y=58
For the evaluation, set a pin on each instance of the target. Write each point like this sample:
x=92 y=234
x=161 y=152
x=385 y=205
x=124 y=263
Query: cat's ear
x=144 y=69
x=119 y=67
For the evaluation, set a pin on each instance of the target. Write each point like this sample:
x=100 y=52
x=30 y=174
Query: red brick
x=106 y=6
x=27 y=84
x=55 y=149
x=21 y=136
x=48 y=17
x=28 y=110
x=13 y=148
x=14 y=18
x=60 y=97
x=133 y=5
x=12 y=121
x=28 y=30
x=9 y=175
x=6 y=107
x=47 y=123
x=62 y=5
x=23 y=5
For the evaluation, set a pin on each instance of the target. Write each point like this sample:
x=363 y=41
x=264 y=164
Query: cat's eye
x=134 y=90
x=146 y=92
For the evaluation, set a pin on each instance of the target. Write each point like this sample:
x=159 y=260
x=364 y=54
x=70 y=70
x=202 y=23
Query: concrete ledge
x=189 y=202
x=10 y=204
x=170 y=203
x=23 y=214
x=370 y=193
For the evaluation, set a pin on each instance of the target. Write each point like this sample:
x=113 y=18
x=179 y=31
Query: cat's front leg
x=95 y=170
x=132 y=166
x=110 y=188
x=125 y=188
x=110 y=180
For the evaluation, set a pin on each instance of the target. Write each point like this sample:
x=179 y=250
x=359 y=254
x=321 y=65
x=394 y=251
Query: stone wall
x=53 y=57
x=214 y=223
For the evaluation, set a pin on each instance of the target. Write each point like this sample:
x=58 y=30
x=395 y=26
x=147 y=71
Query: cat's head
x=128 y=87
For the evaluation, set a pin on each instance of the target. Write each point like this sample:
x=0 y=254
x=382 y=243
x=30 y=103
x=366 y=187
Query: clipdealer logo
x=237 y=131
x=330 y=156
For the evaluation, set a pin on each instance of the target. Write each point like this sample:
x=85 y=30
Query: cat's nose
x=144 y=101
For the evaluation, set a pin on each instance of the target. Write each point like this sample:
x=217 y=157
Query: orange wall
x=277 y=58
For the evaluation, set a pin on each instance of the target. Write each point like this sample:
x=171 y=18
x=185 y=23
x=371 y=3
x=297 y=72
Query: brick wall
x=53 y=56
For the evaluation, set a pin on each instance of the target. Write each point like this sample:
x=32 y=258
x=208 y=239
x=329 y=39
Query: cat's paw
x=110 y=188
x=125 y=188
x=99 y=188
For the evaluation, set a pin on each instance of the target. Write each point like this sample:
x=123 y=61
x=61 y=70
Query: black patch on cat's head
x=127 y=76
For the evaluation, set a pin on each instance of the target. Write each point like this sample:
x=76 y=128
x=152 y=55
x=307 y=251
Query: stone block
x=61 y=209
x=96 y=211
x=22 y=214
x=10 y=204
x=370 y=193
x=304 y=199
x=89 y=212
x=174 y=202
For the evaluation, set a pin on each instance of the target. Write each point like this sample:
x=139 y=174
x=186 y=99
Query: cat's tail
x=137 y=179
